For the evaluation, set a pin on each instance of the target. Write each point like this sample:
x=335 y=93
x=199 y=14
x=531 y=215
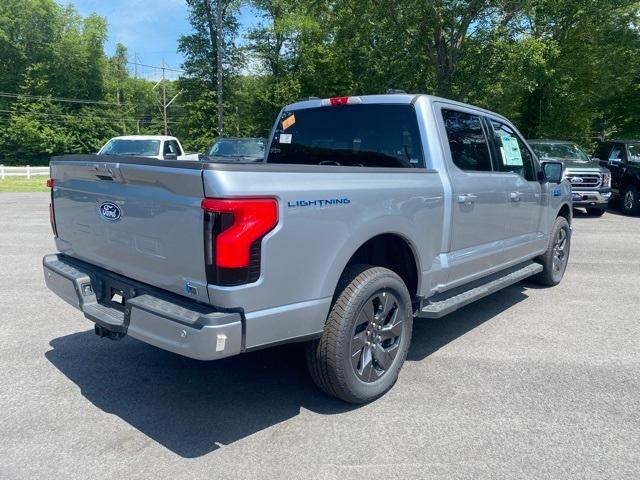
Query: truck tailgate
x=138 y=218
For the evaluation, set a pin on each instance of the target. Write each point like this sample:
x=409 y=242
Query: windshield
x=253 y=148
x=565 y=152
x=634 y=152
x=120 y=146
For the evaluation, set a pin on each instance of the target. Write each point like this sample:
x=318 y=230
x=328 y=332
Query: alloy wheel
x=376 y=336
x=560 y=250
x=629 y=200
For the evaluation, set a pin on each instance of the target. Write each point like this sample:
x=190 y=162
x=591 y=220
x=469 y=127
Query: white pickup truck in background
x=161 y=147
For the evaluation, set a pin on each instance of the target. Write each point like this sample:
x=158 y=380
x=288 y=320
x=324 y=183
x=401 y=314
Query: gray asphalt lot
x=527 y=383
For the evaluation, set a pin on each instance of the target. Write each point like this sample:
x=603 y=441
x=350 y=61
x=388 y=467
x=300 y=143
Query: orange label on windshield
x=289 y=121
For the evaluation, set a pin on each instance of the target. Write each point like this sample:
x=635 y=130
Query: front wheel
x=366 y=337
x=630 y=200
x=554 y=260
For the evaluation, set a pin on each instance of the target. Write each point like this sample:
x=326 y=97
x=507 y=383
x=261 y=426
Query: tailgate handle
x=109 y=171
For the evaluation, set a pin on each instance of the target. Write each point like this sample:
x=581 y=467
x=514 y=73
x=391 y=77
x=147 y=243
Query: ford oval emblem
x=110 y=211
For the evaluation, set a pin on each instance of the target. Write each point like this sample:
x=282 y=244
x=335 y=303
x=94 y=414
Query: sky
x=148 y=28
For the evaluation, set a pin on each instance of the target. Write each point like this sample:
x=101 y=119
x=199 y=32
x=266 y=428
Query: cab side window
x=171 y=146
x=616 y=153
x=513 y=154
x=467 y=141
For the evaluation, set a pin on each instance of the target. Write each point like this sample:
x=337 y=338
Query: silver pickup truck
x=366 y=213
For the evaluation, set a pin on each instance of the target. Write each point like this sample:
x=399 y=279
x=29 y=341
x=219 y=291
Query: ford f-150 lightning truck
x=366 y=213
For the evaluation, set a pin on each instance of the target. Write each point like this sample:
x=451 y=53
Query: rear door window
x=375 y=135
x=467 y=141
x=634 y=152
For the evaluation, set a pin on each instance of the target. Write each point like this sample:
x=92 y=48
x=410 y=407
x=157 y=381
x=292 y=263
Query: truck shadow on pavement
x=192 y=408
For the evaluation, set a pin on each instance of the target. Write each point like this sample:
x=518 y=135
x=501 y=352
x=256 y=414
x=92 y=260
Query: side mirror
x=615 y=161
x=170 y=156
x=552 y=171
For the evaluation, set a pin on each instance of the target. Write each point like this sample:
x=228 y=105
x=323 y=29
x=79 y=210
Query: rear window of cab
x=360 y=135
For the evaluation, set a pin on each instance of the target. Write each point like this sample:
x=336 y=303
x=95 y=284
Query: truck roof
x=144 y=137
x=391 y=98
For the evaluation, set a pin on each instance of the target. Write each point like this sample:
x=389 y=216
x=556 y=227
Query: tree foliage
x=565 y=69
x=59 y=93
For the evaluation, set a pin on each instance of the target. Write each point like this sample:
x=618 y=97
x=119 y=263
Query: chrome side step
x=448 y=302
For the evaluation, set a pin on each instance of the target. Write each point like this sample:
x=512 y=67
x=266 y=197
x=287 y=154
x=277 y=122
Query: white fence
x=26 y=171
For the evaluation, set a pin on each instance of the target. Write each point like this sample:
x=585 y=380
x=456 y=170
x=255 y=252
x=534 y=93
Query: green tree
x=59 y=93
x=211 y=60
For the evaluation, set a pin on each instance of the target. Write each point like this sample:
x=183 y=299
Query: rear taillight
x=234 y=229
x=52 y=216
x=52 y=220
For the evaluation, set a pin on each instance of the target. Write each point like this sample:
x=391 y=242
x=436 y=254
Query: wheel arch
x=630 y=180
x=566 y=212
x=391 y=250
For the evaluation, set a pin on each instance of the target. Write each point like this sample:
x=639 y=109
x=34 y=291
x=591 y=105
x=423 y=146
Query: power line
x=75 y=100
x=57 y=99
x=139 y=64
x=64 y=115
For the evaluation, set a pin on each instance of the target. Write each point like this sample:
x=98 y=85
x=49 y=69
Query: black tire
x=630 y=200
x=346 y=361
x=596 y=212
x=559 y=246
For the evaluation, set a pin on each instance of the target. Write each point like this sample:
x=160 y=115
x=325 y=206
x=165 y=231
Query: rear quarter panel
x=303 y=258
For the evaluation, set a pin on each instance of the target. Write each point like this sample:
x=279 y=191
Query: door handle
x=467 y=198
x=515 y=196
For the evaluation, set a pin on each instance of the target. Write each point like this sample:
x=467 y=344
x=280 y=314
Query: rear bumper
x=151 y=315
x=590 y=198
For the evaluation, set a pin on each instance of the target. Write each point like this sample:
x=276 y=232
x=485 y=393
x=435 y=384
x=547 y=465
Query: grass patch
x=22 y=184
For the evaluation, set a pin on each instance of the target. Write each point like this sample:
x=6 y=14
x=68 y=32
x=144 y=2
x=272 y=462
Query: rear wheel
x=554 y=260
x=595 y=212
x=630 y=200
x=366 y=338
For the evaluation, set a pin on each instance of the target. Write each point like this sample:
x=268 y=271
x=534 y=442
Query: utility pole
x=164 y=104
x=164 y=100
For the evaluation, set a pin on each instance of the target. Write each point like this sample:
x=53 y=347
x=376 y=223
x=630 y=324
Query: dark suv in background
x=622 y=158
x=238 y=149
x=590 y=182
